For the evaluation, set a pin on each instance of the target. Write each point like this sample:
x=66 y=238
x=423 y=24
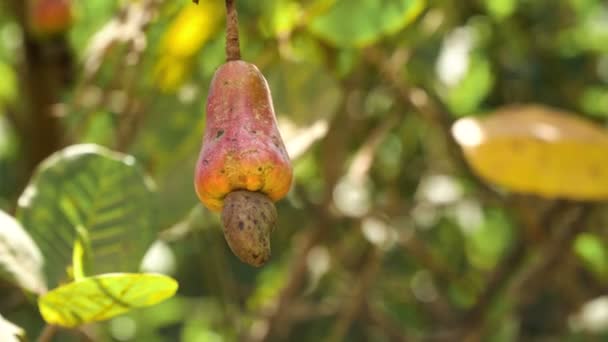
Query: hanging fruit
x=243 y=166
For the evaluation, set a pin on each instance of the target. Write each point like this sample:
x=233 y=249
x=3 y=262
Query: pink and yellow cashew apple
x=243 y=166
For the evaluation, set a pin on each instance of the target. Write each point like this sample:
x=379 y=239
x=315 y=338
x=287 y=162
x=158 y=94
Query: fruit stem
x=233 y=51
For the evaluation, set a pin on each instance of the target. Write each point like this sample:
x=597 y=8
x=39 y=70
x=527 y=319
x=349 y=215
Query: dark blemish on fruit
x=226 y=82
x=254 y=132
x=255 y=222
x=241 y=225
x=222 y=171
x=219 y=133
x=255 y=256
x=259 y=169
x=205 y=162
x=233 y=139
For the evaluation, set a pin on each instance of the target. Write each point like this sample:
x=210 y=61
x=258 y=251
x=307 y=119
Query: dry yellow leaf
x=194 y=25
x=186 y=35
x=539 y=150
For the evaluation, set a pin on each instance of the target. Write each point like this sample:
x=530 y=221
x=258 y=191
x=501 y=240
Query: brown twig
x=48 y=333
x=233 y=51
x=392 y=329
x=275 y=322
x=567 y=227
x=525 y=283
x=354 y=304
x=364 y=157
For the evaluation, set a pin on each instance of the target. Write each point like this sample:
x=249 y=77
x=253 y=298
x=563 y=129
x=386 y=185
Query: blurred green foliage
x=384 y=236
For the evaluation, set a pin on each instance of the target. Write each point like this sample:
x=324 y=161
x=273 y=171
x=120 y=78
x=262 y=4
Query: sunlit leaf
x=594 y=101
x=105 y=296
x=20 y=259
x=593 y=252
x=500 y=8
x=487 y=243
x=539 y=150
x=186 y=35
x=8 y=83
x=361 y=22
x=103 y=192
x=280 y=16
x=269 y=283
x=9 y=332
x=465 y=97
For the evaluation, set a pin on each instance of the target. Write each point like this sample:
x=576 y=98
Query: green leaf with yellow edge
x=537 y=150
x=357 y=23
x=104 y=296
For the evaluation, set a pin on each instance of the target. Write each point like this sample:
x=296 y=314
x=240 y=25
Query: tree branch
x=48 y=333
x=355 y=303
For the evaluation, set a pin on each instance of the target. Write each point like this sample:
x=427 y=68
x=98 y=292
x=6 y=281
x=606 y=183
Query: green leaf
x=487 y=243
x=466 y=97
x=104 y=296
x=8 y=83
x=362 y=22
x=500 y=9
x=9 y=332
x=592 y=251
x=103 y=193
x=20 y=258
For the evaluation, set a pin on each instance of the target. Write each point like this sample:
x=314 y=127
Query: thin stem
x=233 y=51
x=48 y=333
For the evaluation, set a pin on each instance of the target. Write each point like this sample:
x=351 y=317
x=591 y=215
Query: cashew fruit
x=242 y=147
x=243 y=166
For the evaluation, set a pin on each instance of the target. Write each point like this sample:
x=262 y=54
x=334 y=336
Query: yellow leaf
x=187 y=34
x=538 y=150
x=192 y=28
x=104 y=296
